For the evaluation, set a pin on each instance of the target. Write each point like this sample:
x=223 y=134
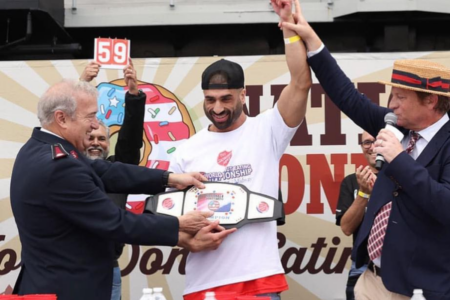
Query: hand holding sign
x=90 y=71
x=112 y=53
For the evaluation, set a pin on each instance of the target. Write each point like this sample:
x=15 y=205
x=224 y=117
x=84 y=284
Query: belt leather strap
x=374 y=269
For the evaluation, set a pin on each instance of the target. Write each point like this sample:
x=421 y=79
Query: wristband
x=363 y=195
x=292 y=39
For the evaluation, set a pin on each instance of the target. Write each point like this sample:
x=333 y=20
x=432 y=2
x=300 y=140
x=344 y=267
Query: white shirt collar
x=428 y=133
x=50 y=132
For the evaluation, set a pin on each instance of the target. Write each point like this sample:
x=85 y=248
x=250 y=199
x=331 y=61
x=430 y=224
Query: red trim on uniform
x=74 y=154
x=58 y=152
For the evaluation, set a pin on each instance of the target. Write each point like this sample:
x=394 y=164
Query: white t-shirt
x=250 y=156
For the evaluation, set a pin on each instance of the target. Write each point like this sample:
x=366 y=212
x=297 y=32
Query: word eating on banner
x=112 y=53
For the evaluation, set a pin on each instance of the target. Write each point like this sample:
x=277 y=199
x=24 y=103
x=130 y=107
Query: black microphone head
x=390 y=118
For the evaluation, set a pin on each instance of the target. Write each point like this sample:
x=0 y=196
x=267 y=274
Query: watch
x=165 y=179
x=140 y=93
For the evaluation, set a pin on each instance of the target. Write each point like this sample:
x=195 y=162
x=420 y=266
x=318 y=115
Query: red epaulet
x=58 y=151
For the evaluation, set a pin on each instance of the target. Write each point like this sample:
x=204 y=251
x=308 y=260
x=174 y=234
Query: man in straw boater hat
x=406 y=230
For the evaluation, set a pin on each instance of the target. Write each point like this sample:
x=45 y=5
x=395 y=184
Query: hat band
x=412 y=80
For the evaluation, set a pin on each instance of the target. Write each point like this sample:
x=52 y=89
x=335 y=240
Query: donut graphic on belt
x=167 y=122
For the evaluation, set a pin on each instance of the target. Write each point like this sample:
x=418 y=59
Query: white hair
x=62 y=96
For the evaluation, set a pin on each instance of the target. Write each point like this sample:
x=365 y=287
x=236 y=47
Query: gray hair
x=62 y=96
x=101 y=123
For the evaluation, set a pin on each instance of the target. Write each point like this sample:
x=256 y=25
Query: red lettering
x=358 y=159
x=320 y=175
x=296 y=182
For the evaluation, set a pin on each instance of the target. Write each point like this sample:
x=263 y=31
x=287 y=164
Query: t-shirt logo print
x=224 y=158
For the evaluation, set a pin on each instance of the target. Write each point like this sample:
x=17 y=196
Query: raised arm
x=129 y=141
x=293 y=98
x=336 y=84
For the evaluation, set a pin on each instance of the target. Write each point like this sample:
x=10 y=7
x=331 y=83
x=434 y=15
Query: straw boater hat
x=421 y=76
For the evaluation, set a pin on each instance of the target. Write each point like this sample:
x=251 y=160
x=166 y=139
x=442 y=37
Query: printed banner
x=313 y=250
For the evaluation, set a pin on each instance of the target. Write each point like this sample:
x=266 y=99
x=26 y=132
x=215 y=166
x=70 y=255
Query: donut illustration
x=167 y=122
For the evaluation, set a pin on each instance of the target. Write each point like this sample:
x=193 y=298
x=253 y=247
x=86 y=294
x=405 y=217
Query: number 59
x=112 y=53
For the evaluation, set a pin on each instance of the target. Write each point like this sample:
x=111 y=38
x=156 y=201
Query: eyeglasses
x=367 y=143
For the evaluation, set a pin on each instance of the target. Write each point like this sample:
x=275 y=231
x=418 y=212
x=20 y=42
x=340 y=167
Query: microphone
x=391 y=120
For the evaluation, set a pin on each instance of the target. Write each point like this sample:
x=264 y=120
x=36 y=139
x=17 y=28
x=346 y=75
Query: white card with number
x=112 y=53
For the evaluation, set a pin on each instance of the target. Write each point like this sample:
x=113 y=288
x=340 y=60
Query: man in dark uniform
x=67 y=224
x=127 y=149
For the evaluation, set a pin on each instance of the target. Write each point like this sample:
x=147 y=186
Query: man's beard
x=232 y=116
x=102 y=155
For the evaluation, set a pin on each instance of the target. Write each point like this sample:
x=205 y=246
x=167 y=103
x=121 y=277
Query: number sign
x=112 y=53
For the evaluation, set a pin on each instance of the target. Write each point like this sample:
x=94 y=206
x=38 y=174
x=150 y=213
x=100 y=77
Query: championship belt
x=233 y=204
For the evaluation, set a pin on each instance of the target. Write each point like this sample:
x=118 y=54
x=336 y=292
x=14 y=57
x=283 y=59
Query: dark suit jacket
x=68 y=226
x=416 y=250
